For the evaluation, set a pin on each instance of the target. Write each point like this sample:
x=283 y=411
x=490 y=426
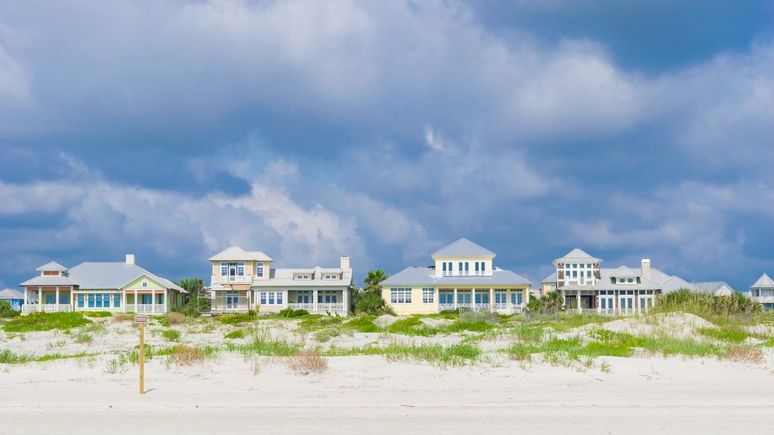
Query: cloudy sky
x=383 y=130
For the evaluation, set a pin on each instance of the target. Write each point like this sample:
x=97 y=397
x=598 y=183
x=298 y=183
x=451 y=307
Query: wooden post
x=141 y=320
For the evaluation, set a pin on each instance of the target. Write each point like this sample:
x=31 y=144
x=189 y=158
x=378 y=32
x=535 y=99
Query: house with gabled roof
x=100 y=286
x=588 y=287
x=243 y=281
x=762 y=291
x=463 y=276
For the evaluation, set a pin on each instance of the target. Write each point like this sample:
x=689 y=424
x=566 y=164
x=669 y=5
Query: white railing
x=229 y=279
x=301 y=306
x=500 y=308
x=608 y=311
x=145 y=308
x=223 y=303
x=46 y=308
x=445 y=307
x=763 y=299
x=329 y=307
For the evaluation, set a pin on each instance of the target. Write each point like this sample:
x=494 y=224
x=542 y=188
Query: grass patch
x=726 y=333
x=470 y=325
x=289 y=313
x=411 y=326
x=307 y=362
x=316 y=322
x=263 y=343
x=96 y=313
x=436 y=354
x=183 y=355
x=170 y=334
x=83 y=337
x=362 y=324
x=565 y=322
x=239 y=333
x=8 y=357
x=236 y=318
x=46 y=322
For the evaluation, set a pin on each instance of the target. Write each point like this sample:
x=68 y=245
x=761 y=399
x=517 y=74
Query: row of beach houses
x=462 y=275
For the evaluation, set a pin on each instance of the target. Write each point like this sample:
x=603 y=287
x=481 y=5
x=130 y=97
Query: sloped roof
x=112 y=275
x=763 y=282
x=9 y=293
x=236 y=253
x=549 y=278
x=52 y=266
x=577 y=254
x=426 y=276
x=49 y=281
x=712 y=287
x=625 y=272
x=463 y=248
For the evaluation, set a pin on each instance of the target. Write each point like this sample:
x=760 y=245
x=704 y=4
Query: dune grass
x=46 y=322
x=436 y=354
x=9 y=357
x=239 y=333
x=362 y=324
x=262 y=343
x=730 y=334
x=171 y=334
x=96 y=313
x=411 y=326
x=236 y=318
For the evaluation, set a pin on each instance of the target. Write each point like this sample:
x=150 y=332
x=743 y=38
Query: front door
x=232 y=271
x=463 y=298
x=606 y=302
x=626 y=303
x=232 y=301
x=303 y=298
x=646 y=303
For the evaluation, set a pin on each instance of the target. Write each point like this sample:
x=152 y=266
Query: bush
x=176 y=318
x=551 y=303
x=368 y=302
x=97 y=313
x=239 y=333
x=362 y=324
x=187 y=355
x=307 y=362
x=291 y=313
x=705 y=305
x=171 y=334
x=6 y=311
x=46 y=322
x=236 y=318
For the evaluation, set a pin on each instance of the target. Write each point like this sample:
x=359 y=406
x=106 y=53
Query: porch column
x=491 y=299
x=166 y=301
x=56 y=304
x=40 y=299
x=123 y=300
x=345 y=297
x=455 y=298
x=314 y=300
x=473 y=298
x=153 y=301
x=525 y=299
x=25 y=296
x=578 y=301
x=135 y=300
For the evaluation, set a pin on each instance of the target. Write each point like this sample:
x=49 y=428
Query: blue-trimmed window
x=482 y=298
x=80 y=300
x=223 y=268
x=263 y=298
x=259 y=270
x=98 y=299
x=501 y=297
x=446 y=297
x=91 y=300
x=117 y=300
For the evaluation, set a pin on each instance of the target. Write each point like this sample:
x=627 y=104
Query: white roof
x=52 y=266
x=101 y=276
x=576 y=255
x=9 y=293
x=463 y=248
x=283 y=277
x=235 y=253
x=763 y=282
x=426 y=276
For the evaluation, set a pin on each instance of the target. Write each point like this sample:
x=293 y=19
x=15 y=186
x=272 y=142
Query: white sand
x=374 y=396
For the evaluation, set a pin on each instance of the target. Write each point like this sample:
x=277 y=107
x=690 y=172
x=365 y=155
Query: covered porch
x=609 y=302
x=230 y=301
x=499 y=300
x=146 y=301
x=47 y=300
x=319 y=301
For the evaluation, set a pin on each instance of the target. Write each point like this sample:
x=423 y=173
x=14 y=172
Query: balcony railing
x=224 y=304
x=500 y=308
x=46 y=308
x=231 y=279
x=145 y=308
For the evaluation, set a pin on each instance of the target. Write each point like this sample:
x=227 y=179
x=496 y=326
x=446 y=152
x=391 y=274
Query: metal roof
x=763 y=282
x=426 y=276
x=235 y=253
x=463 y=248
x=10 y=293
x=575 y=255
x=52 y=266
x=101 y=276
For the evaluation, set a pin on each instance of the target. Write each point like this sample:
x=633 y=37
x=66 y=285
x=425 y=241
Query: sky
x=308 y=130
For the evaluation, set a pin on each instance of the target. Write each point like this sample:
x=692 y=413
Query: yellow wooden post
x=142 y=358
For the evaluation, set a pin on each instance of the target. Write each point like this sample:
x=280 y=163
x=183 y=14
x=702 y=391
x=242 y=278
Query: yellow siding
x=138 y=284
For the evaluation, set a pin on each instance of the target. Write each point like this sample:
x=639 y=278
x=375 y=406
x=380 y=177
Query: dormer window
x=330 y=276
x=302 y=277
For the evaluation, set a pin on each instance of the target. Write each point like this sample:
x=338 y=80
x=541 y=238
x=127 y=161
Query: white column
x=40 y=299
x=153 y=300
x=56 y=303
x=25 y=296
x=525 y=299
x=345 y=296
x=166 y=300
x=473 y=298
x=578 y=301
x=491 y=299
x=136 y=293
x=455 y=298
x=314 y=300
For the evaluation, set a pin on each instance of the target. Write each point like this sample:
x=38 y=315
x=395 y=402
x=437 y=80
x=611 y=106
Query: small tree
x=551 y=303
x=6 y=310
x=195 y=302
x=373 y=281
x=369 y=298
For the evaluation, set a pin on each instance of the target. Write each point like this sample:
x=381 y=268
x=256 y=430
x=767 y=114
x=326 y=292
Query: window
x=501 y=298
x=482 y=298
x=467 y=268
x=259 y=270
x=263 y=298
x=428 y=295
x=402 y=295
x=327 y=297
x=330 y=276
x=241 y=269
x=145 y=284
x=443 y=266
x=459 y=267
x=271 y=298
x=588 y=274
x=117 y=300
x=91 y=300
x=477 y=266
x=79 y=298
x=483 y=267
x=301 y=276
x=223 y=269
x=574 y=273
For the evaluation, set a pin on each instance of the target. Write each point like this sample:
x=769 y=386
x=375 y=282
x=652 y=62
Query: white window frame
x=400 y=295
x=428 y=295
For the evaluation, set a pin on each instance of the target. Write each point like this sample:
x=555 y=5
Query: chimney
x=345 y=263
x=645 y=268
x=129 y=258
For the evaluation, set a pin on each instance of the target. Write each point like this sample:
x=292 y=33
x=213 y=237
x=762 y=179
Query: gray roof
x=52 y=266
x=235 y=253
x=712 y=287
x=658 y=281
x=426 y=276
x=10 y=293
x=550 y=278
x=49 y=281
x=101 y=276
x=576 y=255
x=763 y=282
x=463 y=248
x=625 y=272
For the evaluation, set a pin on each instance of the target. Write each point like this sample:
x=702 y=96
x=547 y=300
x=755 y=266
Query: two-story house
x=762 y=291
x=245 y=280
x=588 y=287
x=100 y=286
x=463 y=275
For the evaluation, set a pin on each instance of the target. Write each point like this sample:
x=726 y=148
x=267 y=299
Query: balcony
x=146 y=308
x=230 y=304
x=46 y=308
x=230 y=279
x=318 y=308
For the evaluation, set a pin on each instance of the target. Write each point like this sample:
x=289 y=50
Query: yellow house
x=100 y=286
x=463 y=276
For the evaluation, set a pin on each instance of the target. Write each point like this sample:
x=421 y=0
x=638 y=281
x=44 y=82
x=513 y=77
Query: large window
x=91 y=300
x=80 y=300
x=428 y=295
x=501 y=297
x=446 y=297
x=482 y=298
x=327 y=297
x=271 y=298
x=401 y=295
x=117 y=300
x=259 y=270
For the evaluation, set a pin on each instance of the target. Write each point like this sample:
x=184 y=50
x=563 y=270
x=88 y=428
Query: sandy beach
x=237 y=395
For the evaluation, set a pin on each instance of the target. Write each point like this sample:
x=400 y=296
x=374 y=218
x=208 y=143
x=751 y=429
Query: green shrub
x=411 y=326
x=314 y=322
x=46 y=322
x=239 y=333
x=728 y=333
x=236 y=318
x=8 y=357
x=83 y=337
x=263 y=343
x=290 y=313
x=369 y=302
x=436 y=354
x=171 y=334
x=6 y=311
x=705 y=305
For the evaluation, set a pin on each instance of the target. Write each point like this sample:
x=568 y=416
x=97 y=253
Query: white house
x=762 y=291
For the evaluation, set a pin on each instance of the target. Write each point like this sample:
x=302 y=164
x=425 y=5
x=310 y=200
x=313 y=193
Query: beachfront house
x=587 y=287
x=15 y=298
x=243 y=281
x=462 y=276
x=762 y=291
x=122 y=287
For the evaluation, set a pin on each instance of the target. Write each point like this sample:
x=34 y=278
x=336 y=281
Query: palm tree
x=373 y=281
